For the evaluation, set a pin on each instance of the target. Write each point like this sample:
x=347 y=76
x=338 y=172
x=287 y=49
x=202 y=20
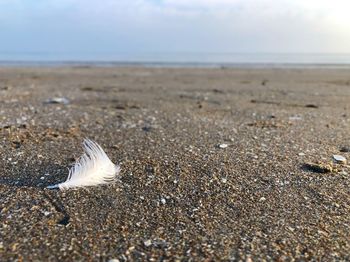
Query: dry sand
x=180 y=196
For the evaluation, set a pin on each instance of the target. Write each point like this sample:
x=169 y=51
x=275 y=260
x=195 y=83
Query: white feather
x=93 y=168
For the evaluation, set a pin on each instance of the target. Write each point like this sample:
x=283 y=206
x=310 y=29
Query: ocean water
x=178 y=59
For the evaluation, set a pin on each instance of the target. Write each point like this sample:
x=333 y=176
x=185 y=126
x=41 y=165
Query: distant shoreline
x=157 y=64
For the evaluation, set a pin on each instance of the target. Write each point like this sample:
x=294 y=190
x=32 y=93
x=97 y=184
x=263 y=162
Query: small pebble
x=301 y=154
x=311 y=106
x=262 y=199
x=339 y=159
x=147 y=243
x=163 y=201
x=57 y=100
x=295 y=118
x=345 y=149
x=223 y=145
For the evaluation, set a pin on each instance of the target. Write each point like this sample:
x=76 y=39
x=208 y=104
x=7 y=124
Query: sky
x=170 y=26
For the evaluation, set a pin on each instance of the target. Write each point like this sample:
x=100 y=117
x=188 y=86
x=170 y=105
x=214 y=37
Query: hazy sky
x=143 y=26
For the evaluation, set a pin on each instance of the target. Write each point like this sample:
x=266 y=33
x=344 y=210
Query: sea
x=185 y=59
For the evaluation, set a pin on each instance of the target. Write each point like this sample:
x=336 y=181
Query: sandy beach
x=216 y=164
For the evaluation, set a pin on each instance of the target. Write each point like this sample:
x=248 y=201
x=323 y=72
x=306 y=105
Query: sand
x=213 y=164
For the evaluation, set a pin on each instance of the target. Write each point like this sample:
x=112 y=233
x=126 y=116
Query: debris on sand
x=87 y=88
x=218 y=91
x=223 y=146
x=311 y=106
x=269 y=124
x=4 y=87
x=345 y=149
x=147 y=243
x=93 y=168
x=339 y=159
x=264 y=82
x=57 y=100
x=318 y=168
x=295 y=118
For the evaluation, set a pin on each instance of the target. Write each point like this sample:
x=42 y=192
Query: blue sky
x=152 y=26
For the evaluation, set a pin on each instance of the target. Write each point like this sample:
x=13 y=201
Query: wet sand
x=213 y=164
